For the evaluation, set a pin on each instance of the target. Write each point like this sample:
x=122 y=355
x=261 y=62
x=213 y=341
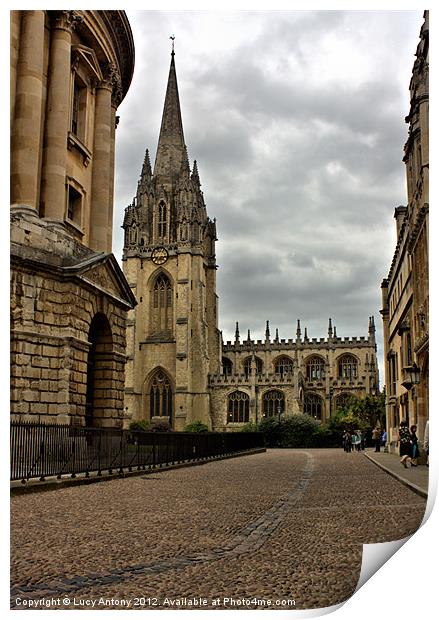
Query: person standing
x=415 y=447
x=405 y=446
x=347 y=442
x=384 y=439
x=426 y=440
x=376 y=438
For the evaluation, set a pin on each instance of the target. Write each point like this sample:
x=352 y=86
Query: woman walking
x=405 y=445
x=415 y=448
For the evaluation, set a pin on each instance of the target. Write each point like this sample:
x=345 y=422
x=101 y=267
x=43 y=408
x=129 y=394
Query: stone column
x=58 y=115
x=26 y=128
x=102 y=172
x=114 y=122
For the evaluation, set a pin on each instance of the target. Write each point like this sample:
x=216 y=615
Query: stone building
x=69 y=298
x=405 y=292
x=178 y=368
x=169 y=262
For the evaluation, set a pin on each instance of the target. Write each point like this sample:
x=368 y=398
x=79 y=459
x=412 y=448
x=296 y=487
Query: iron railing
x=43 y=450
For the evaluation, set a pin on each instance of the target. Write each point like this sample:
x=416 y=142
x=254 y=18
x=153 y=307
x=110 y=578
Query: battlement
x=297 y=344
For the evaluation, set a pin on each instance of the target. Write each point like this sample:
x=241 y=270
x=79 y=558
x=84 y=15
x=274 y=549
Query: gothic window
x=273 y=403
x=227 y=367
x=342 y=401
x=160 y=396
x=315 y=368
x=283 y=366
x=347 y=367
x=248 y=369
x=313 y=406
x=238 y=407
x=162 y=220
x=162 y=304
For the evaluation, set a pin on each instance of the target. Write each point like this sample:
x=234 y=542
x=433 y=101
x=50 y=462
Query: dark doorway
x=99 y=369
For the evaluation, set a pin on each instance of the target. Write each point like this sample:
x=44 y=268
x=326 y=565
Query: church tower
x=169 y=262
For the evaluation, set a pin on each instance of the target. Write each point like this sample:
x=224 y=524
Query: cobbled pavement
x=280 y=526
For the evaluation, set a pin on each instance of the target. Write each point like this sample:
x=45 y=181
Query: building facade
x=405 y=291
x=178 y=368
x=69 y=298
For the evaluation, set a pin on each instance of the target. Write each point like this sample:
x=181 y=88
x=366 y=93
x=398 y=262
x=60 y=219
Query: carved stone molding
x=66 y=20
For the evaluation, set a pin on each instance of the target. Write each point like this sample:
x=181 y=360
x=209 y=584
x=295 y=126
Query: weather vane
x=172 y=39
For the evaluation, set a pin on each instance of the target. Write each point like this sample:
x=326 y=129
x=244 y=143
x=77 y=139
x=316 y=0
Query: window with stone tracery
x=160 y=396
x=315 y=368
x=238 y=407
x=162 y=220
x=283 y=366
x=162 y=304
x=342 y=401
x=273 y=403
x=248 y=365
x=227 y=367
x=313 y=406
x=348 y=367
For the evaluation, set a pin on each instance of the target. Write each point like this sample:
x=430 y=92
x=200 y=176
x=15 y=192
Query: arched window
x=162 y=304
x=342 y=401
x=283 y=366
x=162 y=221
x=313 y=406
x=347 y=367
x=227 y=367
x=248 y=364
x=238 y=406
x=273 y=403
x=315 y=368
x=160 y=396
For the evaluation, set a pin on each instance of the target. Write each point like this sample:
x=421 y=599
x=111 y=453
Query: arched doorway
x=99 y=362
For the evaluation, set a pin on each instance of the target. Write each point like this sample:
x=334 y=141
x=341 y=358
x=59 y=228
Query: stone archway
x=100 y=370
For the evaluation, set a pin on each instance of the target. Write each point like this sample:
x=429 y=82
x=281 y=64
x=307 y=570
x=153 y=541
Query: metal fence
x=42 y=450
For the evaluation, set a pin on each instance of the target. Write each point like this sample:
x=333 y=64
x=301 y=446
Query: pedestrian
x=355 y=442
x=405 y=446
x=376 y=438
x=426 y=442
x=415 y=448
x=360 y=440
x=347 y=442
x=384 y=439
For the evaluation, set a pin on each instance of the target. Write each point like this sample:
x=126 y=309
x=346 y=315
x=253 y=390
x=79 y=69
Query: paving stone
x=267 y=525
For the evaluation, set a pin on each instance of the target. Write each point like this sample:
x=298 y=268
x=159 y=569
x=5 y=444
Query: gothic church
x=178 y=368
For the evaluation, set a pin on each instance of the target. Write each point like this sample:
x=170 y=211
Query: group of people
x=408 y=444
x=354 y=441
x=407 y=439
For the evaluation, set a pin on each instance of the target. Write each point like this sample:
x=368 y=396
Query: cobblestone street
x=281 y=525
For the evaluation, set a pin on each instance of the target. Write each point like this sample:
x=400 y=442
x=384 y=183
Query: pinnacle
x=171 y=153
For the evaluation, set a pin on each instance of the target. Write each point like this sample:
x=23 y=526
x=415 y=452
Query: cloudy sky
x=296 y=120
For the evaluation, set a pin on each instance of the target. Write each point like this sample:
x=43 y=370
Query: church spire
x=171 y=149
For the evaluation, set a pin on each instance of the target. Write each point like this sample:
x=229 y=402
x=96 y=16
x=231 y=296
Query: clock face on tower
x=159 y=256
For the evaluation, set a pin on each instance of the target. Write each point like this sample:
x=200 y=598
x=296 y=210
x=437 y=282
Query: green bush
x=139 y=425
x=249 y=427
x=196 y=427
x=160 y=426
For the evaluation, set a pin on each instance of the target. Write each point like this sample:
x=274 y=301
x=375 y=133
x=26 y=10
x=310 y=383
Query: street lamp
x=412 y=376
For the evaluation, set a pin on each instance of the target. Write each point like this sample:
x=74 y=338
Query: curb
x=53 y=483
x=411 y=485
